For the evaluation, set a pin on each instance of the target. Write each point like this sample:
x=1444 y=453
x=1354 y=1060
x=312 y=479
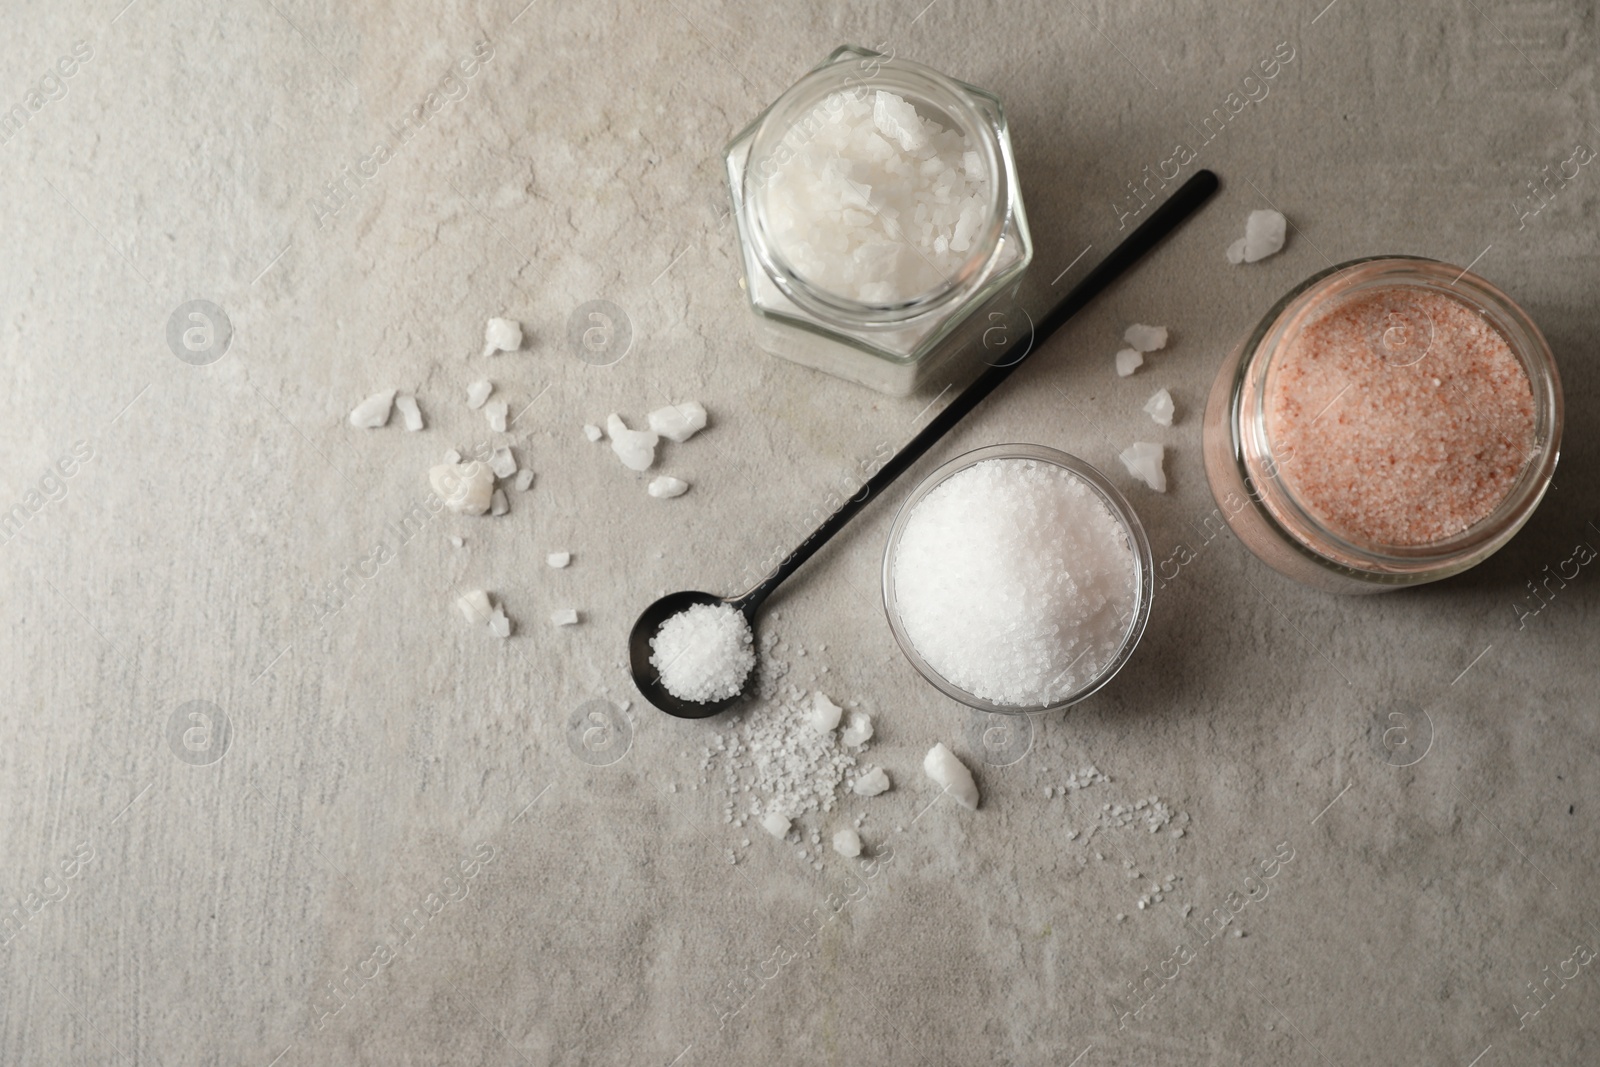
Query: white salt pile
x=1263 y=235
x=1015 y=582
x=1143 y=461
x=372 y=412
x=703 y=653
x=951 y=775
x=878 y=204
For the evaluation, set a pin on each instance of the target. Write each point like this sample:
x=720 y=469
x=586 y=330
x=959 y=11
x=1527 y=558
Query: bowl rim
x=1115 y=501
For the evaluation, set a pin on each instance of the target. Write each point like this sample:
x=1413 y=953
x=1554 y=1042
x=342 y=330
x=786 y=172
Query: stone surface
x=234 y=680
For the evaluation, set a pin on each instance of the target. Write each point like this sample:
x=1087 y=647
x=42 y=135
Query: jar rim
x=1343 y=551
x=1115 y=502
x=803 y=102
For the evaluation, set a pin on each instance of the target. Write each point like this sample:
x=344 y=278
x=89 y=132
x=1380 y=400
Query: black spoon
x=1166 y=218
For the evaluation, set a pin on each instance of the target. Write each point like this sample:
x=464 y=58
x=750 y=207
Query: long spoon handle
x=1177 y=209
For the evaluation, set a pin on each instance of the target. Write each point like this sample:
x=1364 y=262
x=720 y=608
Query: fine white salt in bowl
x=1017 y=579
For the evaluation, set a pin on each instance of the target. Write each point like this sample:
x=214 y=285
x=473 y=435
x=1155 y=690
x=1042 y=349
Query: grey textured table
x=374 y=772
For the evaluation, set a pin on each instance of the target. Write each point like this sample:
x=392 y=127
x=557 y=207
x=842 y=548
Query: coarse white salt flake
x=873 y=201
x=558 y=559
x=1128 y=361
x=636 y=448
x=373 y=412
x=592 y=432
x=466 y=488
x=1145 y=338
x=859 y=732
x=951 y=775
x=409 y=411
x=704 y=653
x=565 y=617
x=666 y=487
x=502 y=463
x=474 y=606
x=775 y=824
x=501 y=335
x=678 y=422
x=872 y=783
x=498 y=504
x=1236 y=252
x=524 y=480
x=1160 y=408
x=825 y=713
x=499 y=625
x=847 y=843
x=495 y=412
x=1263 y=234
x=478 y=392
x=1143 y=461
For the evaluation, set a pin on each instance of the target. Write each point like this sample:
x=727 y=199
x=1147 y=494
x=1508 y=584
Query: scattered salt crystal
x=466 y=488
x=636 y=448
x=951 y=775
x=1263 y=234
x=859 y=732
x=452 y=456
x=501 y=335
x=478 y=392
x=666 y=487
x=565 y=617
x=1145 y=338
x=1143 y=461
x=373 y=412
x=1236 y=252
x=774 y=824
x=409 y=411
x=872 y=783
x=495 y=412
x=502 y=463
x=1128 y=361
x=558 y=559
x=475 y=606
x=1121 y=918
x=1159 y=407
x=498 y=505
x=524 y=480
x=457 y=541
x=1014 y=581
x=847 y=842
x=592 y=432
x=499 y=625
x=678 y=422
x=703 y=653
x=825 y=713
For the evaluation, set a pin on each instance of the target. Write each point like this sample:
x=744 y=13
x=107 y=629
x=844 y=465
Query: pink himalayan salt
x=1391 y=454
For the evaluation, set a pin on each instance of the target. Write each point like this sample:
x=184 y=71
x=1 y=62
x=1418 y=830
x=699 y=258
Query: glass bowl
x=1116 y=503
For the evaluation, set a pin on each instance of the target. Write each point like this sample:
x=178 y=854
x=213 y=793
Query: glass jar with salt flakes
x=877 y=207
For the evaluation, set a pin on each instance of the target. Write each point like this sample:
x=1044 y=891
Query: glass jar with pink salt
x=1391 y=421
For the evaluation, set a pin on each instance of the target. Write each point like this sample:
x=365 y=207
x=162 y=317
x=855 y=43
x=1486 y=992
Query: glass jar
x=1252 y=474
x=890 y=346
x=1116 y=504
